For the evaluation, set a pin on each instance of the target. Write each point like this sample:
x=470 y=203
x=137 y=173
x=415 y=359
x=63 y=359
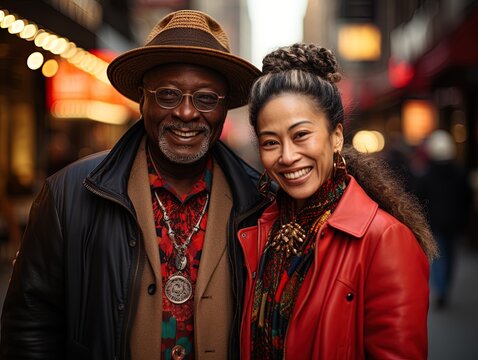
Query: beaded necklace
x=181 y=258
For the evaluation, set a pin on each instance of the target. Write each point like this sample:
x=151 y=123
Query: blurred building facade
x=394 y=52
x=410 y=66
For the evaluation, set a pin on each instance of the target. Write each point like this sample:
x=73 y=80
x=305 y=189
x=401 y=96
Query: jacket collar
x=355 y=210
x=110 y=177
x=353 y=214
x=242 y=178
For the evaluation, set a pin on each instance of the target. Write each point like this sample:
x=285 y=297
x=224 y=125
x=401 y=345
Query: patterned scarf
x=288 y=255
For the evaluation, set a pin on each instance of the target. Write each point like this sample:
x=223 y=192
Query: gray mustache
x=185 y=127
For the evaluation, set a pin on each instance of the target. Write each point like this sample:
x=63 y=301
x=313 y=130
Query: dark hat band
x=187 y=37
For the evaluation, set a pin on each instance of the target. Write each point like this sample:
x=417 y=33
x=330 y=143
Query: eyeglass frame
x=219 y=97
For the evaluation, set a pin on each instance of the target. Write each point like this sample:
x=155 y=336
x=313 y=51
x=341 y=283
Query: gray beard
x=183 y=159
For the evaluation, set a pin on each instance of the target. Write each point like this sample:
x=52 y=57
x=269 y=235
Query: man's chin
x=184 y=154
x=185 y=158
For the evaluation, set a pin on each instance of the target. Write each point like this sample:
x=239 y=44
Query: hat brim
x=127 y=70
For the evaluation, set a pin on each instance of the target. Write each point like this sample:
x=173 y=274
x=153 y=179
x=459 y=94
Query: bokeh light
x=50 y=68
x=35 y=60
x=368 y=141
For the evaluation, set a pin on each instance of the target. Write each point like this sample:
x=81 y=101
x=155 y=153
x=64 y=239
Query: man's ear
x=141 y=99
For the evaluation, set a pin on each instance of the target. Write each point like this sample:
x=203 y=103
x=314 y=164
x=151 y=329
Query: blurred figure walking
x=445 y=190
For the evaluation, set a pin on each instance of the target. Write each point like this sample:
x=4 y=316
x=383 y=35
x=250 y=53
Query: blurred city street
x=408 y=70
x=452 y=331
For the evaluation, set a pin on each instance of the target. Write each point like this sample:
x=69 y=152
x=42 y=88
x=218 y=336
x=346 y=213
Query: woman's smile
x=296 y=174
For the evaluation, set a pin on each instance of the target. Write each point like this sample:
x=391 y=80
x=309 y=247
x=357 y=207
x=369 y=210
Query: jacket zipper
x=134 y=283
x=107 y=196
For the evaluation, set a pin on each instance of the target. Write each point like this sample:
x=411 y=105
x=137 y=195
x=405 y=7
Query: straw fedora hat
x=184 y=36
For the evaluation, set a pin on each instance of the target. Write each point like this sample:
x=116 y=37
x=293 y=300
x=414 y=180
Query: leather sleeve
x=33 y=321
x=396 y=297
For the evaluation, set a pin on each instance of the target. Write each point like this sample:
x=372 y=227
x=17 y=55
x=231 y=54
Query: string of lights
x=55 y=44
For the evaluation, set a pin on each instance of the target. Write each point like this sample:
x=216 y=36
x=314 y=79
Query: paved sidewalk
x=453 y=331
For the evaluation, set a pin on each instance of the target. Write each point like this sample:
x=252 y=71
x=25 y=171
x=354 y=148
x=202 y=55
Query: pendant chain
x=181 y=248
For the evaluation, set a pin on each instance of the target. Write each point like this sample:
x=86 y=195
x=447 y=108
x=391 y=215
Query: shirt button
x=349 y=297
x=243 y=235
x=178 y=352
x=132 y=243
x=121 y=307
x=322 y=234
x=152 y=289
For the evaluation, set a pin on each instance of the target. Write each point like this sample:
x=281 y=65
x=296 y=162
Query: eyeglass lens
x=169 y=98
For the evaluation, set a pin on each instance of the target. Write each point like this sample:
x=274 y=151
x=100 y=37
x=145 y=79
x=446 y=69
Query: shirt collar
x=203 y=184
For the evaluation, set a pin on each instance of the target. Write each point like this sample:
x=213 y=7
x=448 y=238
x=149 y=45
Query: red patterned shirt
x=184 y=212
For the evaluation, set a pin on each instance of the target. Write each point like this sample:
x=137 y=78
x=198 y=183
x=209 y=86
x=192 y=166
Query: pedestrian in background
x=132 y=254
x=446 y=193
x=337 y=266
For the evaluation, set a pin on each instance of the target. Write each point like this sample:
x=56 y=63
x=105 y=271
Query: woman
x=337 y=266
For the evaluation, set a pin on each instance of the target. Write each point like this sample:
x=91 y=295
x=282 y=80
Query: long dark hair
x=313 y=71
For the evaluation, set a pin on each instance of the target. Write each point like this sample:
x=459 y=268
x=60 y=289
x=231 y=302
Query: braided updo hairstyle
x=312 y=71
x=300 y=69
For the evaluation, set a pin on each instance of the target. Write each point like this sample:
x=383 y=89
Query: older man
x=133 y=253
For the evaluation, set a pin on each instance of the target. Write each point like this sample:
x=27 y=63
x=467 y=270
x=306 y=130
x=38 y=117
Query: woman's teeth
x=297 y=174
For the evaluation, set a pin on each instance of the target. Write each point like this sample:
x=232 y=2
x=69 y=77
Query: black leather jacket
x=73 y=288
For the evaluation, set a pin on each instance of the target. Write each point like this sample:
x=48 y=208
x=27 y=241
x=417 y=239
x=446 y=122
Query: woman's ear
x=338 y=137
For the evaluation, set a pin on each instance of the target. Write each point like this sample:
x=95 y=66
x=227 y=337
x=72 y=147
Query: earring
x=339 y=164
x=264 y=184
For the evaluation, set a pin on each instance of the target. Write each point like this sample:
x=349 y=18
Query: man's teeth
x=297 y=174
x=185 y=133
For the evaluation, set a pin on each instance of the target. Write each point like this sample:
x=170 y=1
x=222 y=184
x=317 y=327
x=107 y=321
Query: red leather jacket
x=364 y=297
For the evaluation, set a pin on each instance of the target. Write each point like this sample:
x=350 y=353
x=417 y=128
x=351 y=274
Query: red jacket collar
x=355 y=210
x=353 y=214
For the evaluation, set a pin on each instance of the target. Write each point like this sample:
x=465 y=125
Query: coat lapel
x=145 y=341
x=215 y=242
x=140 y=194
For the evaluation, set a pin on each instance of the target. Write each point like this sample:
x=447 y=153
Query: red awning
x=455 y=50
x=458 y=49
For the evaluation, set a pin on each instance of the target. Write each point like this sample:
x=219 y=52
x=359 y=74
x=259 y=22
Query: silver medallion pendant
x=181 y=262
x=178 y=289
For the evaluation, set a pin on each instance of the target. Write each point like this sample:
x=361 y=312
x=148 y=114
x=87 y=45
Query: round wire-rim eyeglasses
x=169 y=98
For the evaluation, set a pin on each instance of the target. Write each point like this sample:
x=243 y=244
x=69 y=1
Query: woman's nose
x=289 y=155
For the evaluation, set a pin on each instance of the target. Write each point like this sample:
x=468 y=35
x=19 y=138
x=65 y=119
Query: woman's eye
x=301 y=134
x=268 y=143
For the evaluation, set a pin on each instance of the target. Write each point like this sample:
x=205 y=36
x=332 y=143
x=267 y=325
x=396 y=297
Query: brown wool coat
x=213 y=295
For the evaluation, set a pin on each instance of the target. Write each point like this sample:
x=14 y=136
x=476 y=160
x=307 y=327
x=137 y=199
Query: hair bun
x=306 y=57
